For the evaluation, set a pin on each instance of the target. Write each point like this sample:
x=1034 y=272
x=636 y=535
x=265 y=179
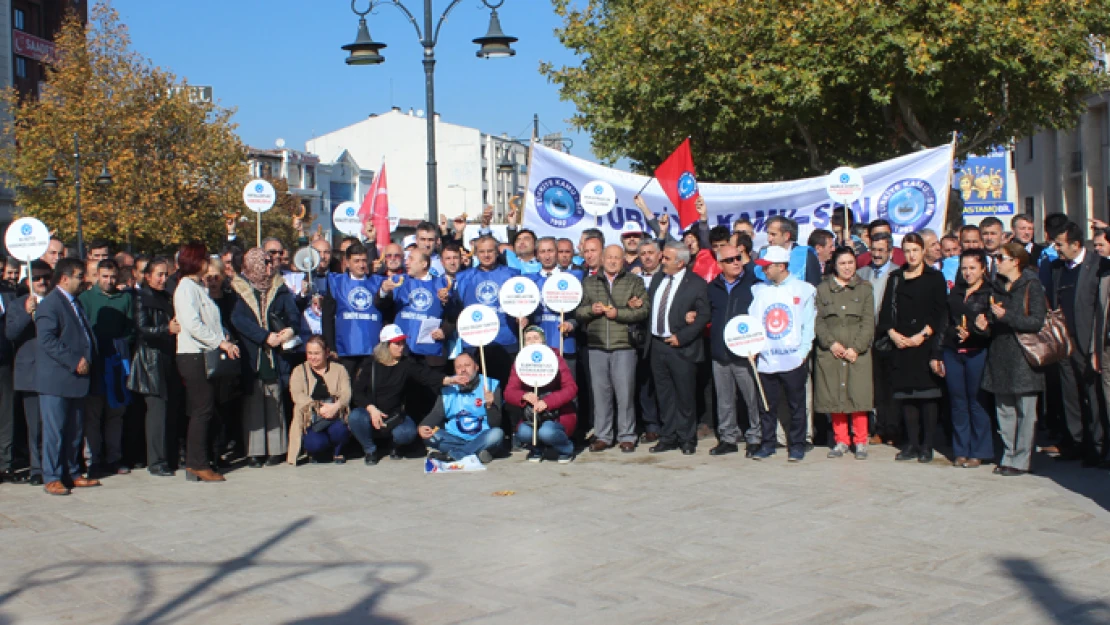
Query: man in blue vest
x=351 y=320
x=551 y=322
x=466 y=419
x=482 y=285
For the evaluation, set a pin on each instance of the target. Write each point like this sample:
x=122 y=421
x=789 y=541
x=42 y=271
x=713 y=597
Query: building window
x=310 y=177
x=19 y=20
x=1029 y=155
x=1029 y=206
x=20 y=67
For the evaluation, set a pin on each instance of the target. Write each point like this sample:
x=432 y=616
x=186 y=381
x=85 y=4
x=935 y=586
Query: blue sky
x=279 y=63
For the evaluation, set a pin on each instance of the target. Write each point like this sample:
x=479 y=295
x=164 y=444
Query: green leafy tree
x=788 y=88
x=178 y=166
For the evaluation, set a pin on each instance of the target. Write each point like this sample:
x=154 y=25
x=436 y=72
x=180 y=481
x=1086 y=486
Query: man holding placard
x=558 y=327
x=482 y=285
x=676 y=346
x=466 y=419
x=350 y=319
x=785 y=306
x=730 y=294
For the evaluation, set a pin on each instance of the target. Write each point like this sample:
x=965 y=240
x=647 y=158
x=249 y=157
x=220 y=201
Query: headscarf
x=257 y=270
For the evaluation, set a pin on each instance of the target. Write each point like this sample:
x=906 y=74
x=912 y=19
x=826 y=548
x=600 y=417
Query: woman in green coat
x=844 y=329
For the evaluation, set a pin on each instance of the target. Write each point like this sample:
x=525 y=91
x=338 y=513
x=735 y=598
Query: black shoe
x=751 y=449
x=275 y=460
x=313 y=460
x=371 y=459
x=435 y=454
x=661 y=447
x=1069 y=454
x=255 y=462
x=689 y=449
x=1010 y=472
x=926 y=457
x=723 y=448
x=160 y=470
x=36 y=480
x=395 y=454
x=906 y=455
x=12 y=477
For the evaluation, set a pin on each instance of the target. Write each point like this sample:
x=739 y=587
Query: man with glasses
x=350 y=319
x=392 y=261
x=19 y=328
x=887 y=422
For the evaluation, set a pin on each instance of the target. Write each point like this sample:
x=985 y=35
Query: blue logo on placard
x=908 y=205
x=598 y=189
x=258 y=188
x=742 y=328
x=477 y=316
x=563 y=285
x=487 y=293
x=844 y=178
x=350 y=211
x=536 y=356
x=687 y=186
x=557 y=203
x=519 y=288
x=25 y=230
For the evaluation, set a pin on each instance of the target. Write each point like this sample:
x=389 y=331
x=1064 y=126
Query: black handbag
x=217 y=364
x=546 y=415
x=884 y=344
x=146 y=368
x=393 y=419
x=316 y=422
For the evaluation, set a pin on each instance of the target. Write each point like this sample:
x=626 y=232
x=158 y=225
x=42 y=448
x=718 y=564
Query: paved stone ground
x=611 y=538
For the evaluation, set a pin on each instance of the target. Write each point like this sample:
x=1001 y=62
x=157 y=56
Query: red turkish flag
x=679 y=181
x=375 y=209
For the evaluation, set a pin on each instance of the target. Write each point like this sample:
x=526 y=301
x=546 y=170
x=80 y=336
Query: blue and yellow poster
x=982 y=182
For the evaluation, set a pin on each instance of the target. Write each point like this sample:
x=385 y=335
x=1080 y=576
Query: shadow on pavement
x=1094 y=484
x=1053 y=600
x=210 y=590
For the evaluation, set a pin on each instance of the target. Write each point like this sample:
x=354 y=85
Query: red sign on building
x=32 y=47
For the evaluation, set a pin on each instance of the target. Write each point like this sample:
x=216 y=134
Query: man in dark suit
x=676 y=346
x=19 y=328
x=67 y=350
x=1073 y=288
x=7 y=392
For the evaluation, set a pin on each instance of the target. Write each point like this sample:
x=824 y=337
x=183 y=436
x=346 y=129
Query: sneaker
x=485 y=456
x=861 y=452
x=796 y=456
x=535 y=456
x=566 y=458
x=762 y=453
x=838 y=451
x=438 y=455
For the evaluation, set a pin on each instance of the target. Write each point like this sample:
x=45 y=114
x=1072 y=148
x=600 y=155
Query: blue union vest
x=549 y=319
x=417 y=301
x=476 y=286
x=357 y=322
x=466 y=412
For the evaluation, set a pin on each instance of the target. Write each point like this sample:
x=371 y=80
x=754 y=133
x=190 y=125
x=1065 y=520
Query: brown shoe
x=973 y=463
x=203 y=475
x=84 y=482
x=628 y=447
x=56 y=488
x=650 y=437
x=960 y=461
x=599 y=446
x=876 y=440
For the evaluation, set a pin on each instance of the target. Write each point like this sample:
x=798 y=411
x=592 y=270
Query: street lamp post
x=366 y=51
x=50 y=182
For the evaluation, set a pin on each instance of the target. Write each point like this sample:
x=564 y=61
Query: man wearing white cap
x=785 y=305
x=632 y=235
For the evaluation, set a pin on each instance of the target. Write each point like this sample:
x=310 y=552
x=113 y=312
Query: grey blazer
x=878 y=285
x=63 y=342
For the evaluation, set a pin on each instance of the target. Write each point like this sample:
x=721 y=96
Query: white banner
x=910 y=191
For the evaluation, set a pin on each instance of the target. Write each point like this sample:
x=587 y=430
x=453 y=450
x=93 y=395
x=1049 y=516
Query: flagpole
x=951 y=174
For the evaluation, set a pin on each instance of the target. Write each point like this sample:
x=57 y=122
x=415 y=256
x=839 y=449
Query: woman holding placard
x=844 y=328
x=552 y=406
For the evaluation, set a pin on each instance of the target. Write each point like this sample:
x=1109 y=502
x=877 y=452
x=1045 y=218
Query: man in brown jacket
x=606 y=314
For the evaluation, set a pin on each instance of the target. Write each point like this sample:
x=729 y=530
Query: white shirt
x=657 y=304
x=1078 y=259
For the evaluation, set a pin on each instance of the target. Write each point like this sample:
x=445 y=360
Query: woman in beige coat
x=321 y=393
x=844 y=329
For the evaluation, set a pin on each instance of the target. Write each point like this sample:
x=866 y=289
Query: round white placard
x=478 y=324
x=519 y=297
x=744 y=336
x=536 y=365
x=345 y=218
x=27 y=239
x=844 y=185
x=259 y=195
x=562 y=292
x=598 y=197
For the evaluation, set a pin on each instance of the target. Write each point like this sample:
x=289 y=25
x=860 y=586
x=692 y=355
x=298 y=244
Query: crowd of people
x=112 y=363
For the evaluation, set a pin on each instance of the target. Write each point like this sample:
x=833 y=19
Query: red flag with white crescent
x=375 y=208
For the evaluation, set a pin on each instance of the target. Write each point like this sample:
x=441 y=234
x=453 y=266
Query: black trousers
x=650 y=419
x=675 y=389
x=162 y=416
x=200 y=406
x=790 y=385
x=7 y=417
x=920 y=418
x=1079 y=387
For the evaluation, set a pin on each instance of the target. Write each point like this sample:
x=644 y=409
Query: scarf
x=258 y=271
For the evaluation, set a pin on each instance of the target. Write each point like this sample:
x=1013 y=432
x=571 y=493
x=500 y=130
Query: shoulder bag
x=884 y=344
x=318 y=423
x=218 y=365
x=1051 y=344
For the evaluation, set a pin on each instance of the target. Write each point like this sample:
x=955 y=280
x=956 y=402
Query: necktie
x=661 y=316
x=84 y=321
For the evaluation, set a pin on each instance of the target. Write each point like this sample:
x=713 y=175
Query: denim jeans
x=971 y=423
x=316 y=443
x=363 y=429
x=551 y=434
x=458 y=448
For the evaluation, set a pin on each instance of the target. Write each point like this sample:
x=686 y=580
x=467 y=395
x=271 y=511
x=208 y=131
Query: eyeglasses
x=1000 y=257
x=41 y=278
x=274 y=252
x=392 y=255
x=730 y=260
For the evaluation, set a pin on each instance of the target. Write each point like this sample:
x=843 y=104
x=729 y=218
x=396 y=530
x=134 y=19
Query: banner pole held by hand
x=562 y=318
x=751 y=359
x=535 y=419
x=485 y=378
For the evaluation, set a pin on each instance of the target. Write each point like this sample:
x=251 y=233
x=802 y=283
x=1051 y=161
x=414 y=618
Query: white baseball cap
x=409 y=241
x=631 y=227
x=774 y=254
x=391 y=334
